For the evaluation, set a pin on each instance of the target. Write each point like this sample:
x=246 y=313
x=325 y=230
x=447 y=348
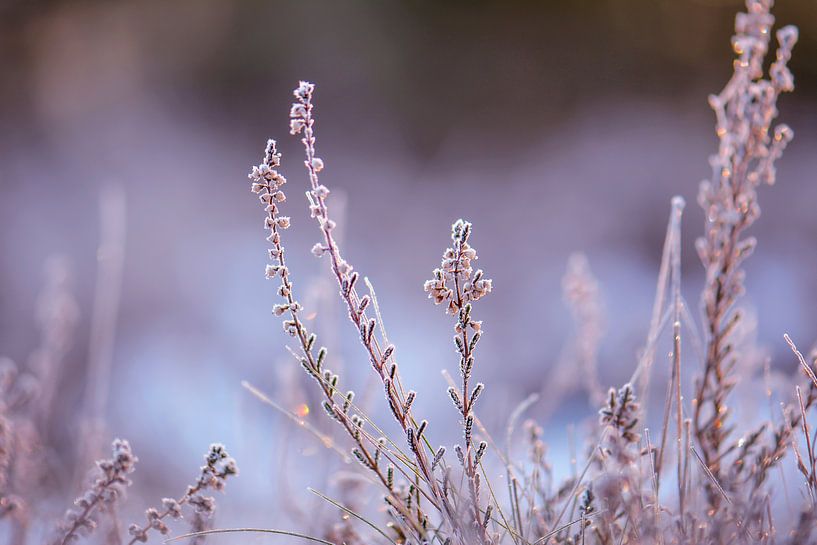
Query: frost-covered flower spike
x=218 y=466
x=266 y=181
x=106 y=489
x=456 y=283
x=748 y=147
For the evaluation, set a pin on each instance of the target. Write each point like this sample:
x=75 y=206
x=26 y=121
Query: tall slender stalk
x=745 y=110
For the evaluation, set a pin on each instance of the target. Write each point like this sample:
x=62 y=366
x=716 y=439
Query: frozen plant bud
x=344 y=268
x=271 y=156
x=106 y=488
x=204 y=505
x=172 y=507
x=621 y=412
x=317 y=164
x=318 y=249
x=456 y=271
x=304 y=90
x=296 y=126
x=298 y=111
x=138 y=533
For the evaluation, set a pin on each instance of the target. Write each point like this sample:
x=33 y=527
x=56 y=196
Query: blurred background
x=127 y=130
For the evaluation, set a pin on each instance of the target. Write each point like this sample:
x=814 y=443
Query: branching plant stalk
x=382 y=361
x=312 y=363
x=467 y=401
x=745 y=110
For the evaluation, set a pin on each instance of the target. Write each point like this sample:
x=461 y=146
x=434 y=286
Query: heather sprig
x=218 y=467
x=381 y=354
x=103 y=493
x=745 y=110
x=620 y=484
x=26 y=402
x=621 y=413
x=457 y=285
x=615 y=497
x=266 y=181
x=455 y=282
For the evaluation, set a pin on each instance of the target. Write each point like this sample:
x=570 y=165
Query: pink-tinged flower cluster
x=267 y=183
x=455 y=282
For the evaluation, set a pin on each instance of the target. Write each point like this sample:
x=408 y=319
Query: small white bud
x=318 y=249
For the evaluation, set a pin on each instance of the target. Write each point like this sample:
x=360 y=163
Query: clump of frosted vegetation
x=718 y=475
x=701 y=479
